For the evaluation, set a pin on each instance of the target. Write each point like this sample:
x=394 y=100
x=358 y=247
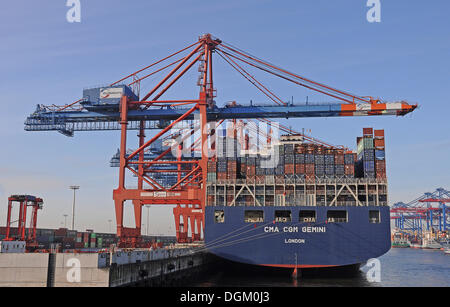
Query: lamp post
x=74 y=188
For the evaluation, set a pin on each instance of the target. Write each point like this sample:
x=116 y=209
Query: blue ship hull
x=291 y=244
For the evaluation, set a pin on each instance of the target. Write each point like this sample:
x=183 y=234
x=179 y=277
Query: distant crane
x=427 y=212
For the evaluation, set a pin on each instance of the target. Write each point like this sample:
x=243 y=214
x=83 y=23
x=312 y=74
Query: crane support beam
x=92 y=121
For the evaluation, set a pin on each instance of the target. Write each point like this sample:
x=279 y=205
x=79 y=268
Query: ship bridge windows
x=374 y=216
x=307 y=216
x=337 y=216
x=254 y=216
x=283 y=216
x=219 y=216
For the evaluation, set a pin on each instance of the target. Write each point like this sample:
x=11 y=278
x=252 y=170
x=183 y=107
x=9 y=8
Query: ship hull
x=294 y=244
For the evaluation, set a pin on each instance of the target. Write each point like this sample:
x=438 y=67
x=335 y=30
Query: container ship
x=311 y=206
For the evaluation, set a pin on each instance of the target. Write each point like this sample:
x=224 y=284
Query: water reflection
x=399 y=267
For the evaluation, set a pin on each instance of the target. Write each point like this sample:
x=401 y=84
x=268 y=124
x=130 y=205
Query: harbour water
x=400 y=267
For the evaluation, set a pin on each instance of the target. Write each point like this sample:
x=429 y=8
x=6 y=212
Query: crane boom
x=84 y=120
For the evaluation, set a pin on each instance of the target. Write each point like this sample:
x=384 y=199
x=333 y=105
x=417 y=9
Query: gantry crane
x=427 y=212
x=24 y=202
x=120 y=106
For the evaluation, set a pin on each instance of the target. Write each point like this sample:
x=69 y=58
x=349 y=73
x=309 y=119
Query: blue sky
x=44 y=59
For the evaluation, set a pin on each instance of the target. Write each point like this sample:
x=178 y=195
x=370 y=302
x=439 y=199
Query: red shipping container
x=339 y=159
x=221 y=176
x=300 y=148
x=61 y=232
x=349 y=169
x=299 y=168
x=310 y=148
x=379 y=134
x=232 y=164
x=251 y=170
x=380 y=166
x=309 y=169
x=289 y=169
x=368 y=131
x=231 y=176
x=79 y=245
x=212 y=166
x=378 y=143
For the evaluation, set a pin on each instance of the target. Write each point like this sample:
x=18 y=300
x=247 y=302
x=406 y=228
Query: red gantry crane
x=121 y=107
x=24 y=202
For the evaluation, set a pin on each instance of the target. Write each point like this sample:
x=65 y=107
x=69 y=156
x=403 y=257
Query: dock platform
x=120 y=268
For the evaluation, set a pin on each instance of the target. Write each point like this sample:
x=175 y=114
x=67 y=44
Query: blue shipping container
x=380 y=154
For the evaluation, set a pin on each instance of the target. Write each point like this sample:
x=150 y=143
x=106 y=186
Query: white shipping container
x=12 y=246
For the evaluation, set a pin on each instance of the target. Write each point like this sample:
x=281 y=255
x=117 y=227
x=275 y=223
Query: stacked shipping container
x=371 y=161
x=380 y=154
x=304 y=160
x=69 y=239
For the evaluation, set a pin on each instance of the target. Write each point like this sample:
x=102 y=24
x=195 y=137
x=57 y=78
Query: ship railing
x=300 y=181
x=220 y=201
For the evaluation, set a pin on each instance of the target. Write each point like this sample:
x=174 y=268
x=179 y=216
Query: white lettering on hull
x=295 y=229
x=295 y=241
x=314 y=229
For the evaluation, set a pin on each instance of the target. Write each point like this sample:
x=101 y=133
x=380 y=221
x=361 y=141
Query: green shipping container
x=360 y=146
x=368 y=143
